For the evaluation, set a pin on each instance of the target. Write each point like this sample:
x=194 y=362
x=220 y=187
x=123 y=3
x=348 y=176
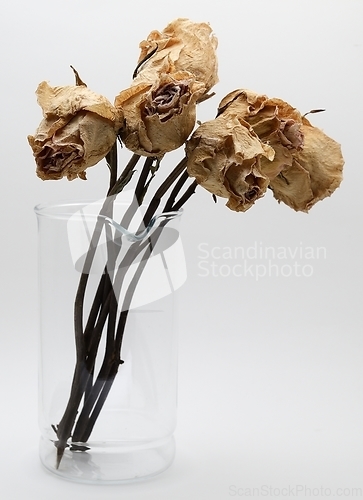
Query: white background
x=270 y=370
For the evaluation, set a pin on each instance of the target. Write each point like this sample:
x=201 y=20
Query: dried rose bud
x=315 y=173
x=308 y=164
x=275 y=122
x=224 y=157
x=184 y=46
x=159 y=116
x=78 y=130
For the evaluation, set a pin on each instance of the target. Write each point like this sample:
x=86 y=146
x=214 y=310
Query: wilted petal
x=184 y=46
x=275 y=122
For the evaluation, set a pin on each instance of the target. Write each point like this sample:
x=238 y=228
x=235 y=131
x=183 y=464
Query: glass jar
x=108 y=285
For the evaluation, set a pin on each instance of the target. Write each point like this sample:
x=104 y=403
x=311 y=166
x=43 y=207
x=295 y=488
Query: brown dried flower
x=184 y=46
x=275 y=122
x=224 y=156
x=159 y=115
x=159 y=107
x=315 y=173
x=78 y=130
x=308 y=164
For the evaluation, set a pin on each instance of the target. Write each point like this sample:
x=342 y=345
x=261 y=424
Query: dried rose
x=315 y=173
x=224 y=157
x=78 y=130
x=275 y=122
x=159 y=115
x=184 y=46
x=308 y=164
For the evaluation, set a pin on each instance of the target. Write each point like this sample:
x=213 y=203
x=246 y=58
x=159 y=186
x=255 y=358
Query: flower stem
x=155 y=202
x=105 y=304
x=111 y=159
x=183 y=199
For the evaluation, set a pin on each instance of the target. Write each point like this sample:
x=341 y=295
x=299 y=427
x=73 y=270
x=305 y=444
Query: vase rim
x=88 y=214
x=63 y=208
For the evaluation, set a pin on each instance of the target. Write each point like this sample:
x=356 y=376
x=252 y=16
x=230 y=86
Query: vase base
x=110 y=462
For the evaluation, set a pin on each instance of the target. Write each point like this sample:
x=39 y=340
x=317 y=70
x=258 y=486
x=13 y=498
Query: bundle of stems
x=107 y=318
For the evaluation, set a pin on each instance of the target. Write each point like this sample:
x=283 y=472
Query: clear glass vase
x=108 y=339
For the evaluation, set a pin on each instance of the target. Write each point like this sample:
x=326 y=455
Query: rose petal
x=184 y=46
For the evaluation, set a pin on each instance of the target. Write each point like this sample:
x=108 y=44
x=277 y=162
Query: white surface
x=270 y=378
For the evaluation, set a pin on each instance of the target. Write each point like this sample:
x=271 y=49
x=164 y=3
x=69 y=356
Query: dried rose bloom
x=184 y=46
x=275 y=122
x=308 y=164
x=315 y=173
x=78 y=130
x=159 y=107
x=224 y=156
x=159 y=115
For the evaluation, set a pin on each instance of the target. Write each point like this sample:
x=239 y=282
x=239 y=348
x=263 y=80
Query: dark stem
x=134 y=75
x=110 y=365
x=178 y=186
x=139 y=193
x=111 y=159
x=112 y=357
x=104 y=306
x=108 y=372
x=155 y=202
x=183 y=199
x=113 y=250
x=84 y=370
x=80 y=377
x=125 y=177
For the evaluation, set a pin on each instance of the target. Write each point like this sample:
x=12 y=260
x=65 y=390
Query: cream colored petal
x=283 y=158
x=293 y=187
x=97 y=140
x=187 y=46
x=285 y=110
x=65 y=102
x=244 y=193
x=322 y=157
x=242 y=102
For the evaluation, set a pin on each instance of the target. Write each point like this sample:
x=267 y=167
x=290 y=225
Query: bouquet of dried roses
x=253 y=144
